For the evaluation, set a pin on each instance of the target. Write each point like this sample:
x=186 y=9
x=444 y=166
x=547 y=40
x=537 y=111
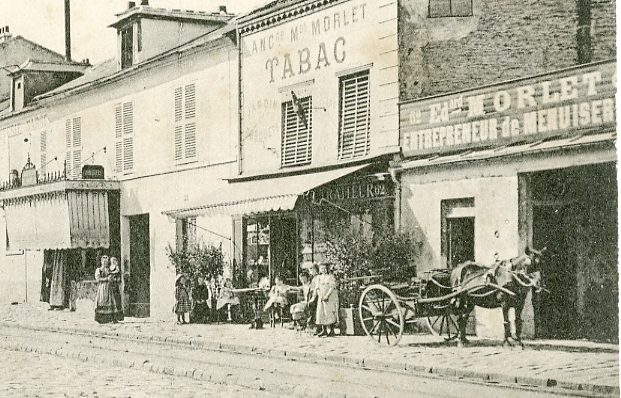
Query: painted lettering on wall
x=546 y=105
x=356 y=190
x=287 y=53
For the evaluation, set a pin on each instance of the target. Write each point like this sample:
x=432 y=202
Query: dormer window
x=17 y=100
x=127 y=47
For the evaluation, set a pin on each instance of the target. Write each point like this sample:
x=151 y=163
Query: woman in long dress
x=327 y=302
x=115 y=289
x=105 y=306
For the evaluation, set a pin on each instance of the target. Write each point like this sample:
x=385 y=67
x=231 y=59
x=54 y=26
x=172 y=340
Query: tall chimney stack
x=67 y=30
x=5 y=35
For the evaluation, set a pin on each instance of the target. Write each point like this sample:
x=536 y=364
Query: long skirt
x=107 y=310
x=328 y=311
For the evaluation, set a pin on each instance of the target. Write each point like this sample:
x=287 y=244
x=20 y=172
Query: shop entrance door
x=284 y=249
x=555 y=314
x=140 y=267
x=460 y=240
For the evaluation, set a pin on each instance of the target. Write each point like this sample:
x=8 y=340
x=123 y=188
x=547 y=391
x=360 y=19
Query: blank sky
x=42 y=21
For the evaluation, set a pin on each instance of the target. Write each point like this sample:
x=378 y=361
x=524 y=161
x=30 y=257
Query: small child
x=182 y=300
x=277 y=295
x=299 y=310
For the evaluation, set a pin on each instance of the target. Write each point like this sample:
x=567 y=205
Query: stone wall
x=503 y=40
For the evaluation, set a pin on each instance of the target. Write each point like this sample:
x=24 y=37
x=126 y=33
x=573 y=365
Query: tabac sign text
x=578 y=100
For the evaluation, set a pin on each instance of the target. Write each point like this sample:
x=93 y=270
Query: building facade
x=153 y=127
x=508 y=142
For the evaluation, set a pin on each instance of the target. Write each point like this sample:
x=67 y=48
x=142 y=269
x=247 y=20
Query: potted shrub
x=197 y=259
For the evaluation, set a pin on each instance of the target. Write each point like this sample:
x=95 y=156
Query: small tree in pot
x=199 y=258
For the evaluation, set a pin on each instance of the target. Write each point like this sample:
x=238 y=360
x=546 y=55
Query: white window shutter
x=178 y=142
x=190 y=140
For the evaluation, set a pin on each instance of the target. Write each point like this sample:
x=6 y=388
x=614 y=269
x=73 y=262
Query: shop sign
x=352 y=191
x=569 y=102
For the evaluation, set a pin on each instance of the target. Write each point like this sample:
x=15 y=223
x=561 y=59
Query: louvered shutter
x=354 y=126
x=77 y=147
x=43 y=152
x=128 y=153
x=178 y=142
x=190 y=140
x=297 y=145
x=190 y=101
x=118 y=154
x=124 y=131
x=68 y=146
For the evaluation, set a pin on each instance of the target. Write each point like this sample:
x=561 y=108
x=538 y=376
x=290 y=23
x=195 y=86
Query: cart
x=385 y=309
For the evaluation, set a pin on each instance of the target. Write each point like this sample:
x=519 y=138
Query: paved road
x=30 y=374
x=234 y=374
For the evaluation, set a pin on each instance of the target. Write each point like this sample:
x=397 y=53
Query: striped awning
x=57 y=216
x=261 y=195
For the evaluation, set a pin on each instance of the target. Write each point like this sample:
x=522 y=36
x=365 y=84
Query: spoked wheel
x=444 y=325
x=381 y=315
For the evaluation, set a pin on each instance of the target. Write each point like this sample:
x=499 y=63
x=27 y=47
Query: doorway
x=460 y=240
x=140 y=267
x=284 y=249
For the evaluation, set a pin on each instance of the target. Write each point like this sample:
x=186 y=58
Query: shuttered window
x=73 y=147
x=124 y=134
x=297 y=128
x=354 y=116
x=185 y=123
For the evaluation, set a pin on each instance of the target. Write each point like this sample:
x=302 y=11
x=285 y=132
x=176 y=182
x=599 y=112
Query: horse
x=505 y=284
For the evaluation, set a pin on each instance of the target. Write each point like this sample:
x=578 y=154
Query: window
x=450 y=8
x=124 y=132
x=127 y=47
x=457 y=245
x=43 y=153
x=73 y=147
x=354 y=116
x=185 y=123
x=297 y=127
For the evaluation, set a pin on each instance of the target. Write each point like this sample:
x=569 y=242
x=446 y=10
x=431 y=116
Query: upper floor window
x=354 y=116
x=185 y=123
x=73 y=147
x=450 y=8
x=127 y=47
x=297 y=131
x=124 y=133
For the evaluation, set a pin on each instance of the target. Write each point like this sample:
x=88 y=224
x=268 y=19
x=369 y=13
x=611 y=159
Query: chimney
x=131 y=5
x=222 y=10
x=67 y=30
x=4 y=34
x=144 y=2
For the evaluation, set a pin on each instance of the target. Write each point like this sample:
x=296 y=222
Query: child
x=182 y=299
x=227 y=298
x=277 y=295
x=299 y=310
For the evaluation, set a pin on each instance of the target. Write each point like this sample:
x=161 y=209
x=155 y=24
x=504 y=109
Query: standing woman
x=104 y=303
x=327 y=301
x=115 y=289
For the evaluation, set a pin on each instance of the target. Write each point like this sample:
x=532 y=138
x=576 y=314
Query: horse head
x=525 y=269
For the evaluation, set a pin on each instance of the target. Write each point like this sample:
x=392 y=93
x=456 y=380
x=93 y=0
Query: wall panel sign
x=569 y=102
x=352 y=191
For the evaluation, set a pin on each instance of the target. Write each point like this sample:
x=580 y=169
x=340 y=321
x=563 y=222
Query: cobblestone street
x=570 y=365
x=29 y=374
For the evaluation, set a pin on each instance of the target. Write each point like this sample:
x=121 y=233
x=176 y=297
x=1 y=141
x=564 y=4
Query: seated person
x=299 y=310
x=201 y=298
x=226 y=295
x=277 y=295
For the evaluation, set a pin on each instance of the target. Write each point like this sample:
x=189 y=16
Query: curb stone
x=331 y=359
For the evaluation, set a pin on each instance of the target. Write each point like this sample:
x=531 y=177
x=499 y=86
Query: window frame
x=342 y=151
x=451 y=11
x=303 y=154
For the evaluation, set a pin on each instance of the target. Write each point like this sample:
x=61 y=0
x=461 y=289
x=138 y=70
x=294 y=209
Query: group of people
x=202 y=302
x=108 y=303
x=319 y=308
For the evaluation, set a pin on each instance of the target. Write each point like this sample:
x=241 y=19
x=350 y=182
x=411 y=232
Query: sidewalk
x=591 y=368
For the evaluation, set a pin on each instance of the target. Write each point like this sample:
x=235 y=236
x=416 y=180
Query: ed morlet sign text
x=312 y=43
x=570 y=101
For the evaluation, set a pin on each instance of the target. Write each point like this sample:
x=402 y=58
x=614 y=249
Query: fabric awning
x=259 y=196
x=59 y=220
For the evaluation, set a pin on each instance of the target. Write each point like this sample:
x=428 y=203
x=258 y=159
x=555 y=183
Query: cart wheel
x=381 y=314
x=443 y=325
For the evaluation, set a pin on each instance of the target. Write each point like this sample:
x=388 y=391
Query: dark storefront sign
x=361 y=189
x=564 y=103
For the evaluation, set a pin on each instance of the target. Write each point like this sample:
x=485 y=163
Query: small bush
x=202 y=259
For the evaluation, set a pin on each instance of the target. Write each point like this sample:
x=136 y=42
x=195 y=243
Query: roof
x=91 y=74
x=16 y=40
x=513 y=150
x=39 y=66
x=175 y=14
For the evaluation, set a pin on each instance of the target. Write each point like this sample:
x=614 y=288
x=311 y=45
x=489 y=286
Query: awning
x=259 y=196
x=57 y=216
x=62 y=221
